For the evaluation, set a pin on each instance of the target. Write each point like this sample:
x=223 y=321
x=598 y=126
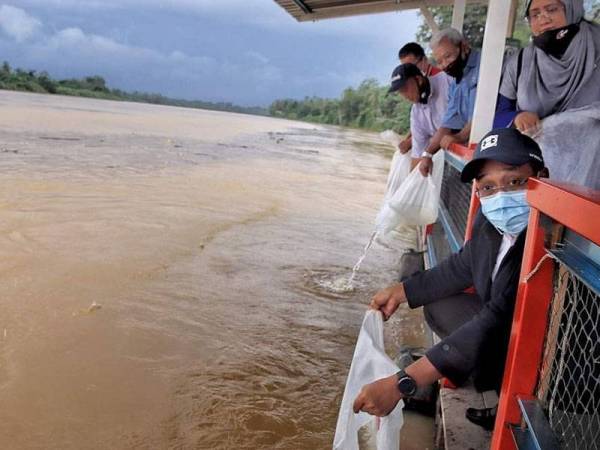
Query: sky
x=247 y=52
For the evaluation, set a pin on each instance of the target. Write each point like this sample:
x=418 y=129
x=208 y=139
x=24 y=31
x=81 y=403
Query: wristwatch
x=426 y=154
x=406 y=384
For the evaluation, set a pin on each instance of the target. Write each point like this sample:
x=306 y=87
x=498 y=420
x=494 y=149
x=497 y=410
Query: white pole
x=490 y=68
x=458 y=14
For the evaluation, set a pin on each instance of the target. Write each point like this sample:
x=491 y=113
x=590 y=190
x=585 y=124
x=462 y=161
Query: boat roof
x=311 y=10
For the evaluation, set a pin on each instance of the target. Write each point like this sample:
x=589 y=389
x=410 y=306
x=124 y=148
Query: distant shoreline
x=95 y=87
x=366 y=108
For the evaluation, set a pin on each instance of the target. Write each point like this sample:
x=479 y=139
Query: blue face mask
x=507 y=211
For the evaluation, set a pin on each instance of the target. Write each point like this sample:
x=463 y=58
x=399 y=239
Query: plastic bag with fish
x=403 y=236
x=416 y=201
x=400 y=167
x=369 y=363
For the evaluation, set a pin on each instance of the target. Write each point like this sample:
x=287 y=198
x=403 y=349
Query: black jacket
x=457 y=355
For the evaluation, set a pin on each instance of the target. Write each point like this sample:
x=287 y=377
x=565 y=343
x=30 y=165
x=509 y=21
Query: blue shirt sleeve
x=452 y=117
x=472 y=95
x=506 y=111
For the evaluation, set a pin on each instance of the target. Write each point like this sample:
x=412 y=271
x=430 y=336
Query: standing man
x=429 y=98
x=475 y=328
x=413 y=53
x=455 y=57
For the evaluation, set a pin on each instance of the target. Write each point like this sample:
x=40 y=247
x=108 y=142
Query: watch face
x=407 y=385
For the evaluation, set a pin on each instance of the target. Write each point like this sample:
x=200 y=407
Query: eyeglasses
x=488 y=190
x=549 y=12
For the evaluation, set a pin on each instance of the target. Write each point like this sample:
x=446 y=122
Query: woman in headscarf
x=559 y=70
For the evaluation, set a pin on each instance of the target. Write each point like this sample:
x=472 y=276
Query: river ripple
x=202 y=239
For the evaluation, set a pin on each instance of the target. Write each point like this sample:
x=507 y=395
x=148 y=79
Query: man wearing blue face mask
x=475 y=328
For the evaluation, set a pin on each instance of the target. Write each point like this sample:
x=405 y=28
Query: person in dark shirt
x=474 y=327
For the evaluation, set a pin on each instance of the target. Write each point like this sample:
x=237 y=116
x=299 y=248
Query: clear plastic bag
x=416 y=201
x=369 y=363
x=400 y=167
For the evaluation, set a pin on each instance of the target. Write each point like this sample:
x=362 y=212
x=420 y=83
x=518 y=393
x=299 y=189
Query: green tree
x=473 y=26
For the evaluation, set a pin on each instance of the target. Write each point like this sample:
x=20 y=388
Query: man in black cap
x=474 y=328
x=413 y=53
x=429 y=96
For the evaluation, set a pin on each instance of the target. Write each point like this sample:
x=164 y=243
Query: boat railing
x=550 y=395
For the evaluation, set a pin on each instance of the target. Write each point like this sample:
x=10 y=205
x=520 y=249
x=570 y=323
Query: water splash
x=340 y=283
x=356 y=267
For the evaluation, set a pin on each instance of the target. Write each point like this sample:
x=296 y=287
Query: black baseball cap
x=401 y=75
x=507 y=145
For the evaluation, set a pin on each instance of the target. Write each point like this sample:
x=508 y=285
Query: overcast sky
x=248 y=52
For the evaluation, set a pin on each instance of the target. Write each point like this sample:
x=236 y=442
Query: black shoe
x=484 y=417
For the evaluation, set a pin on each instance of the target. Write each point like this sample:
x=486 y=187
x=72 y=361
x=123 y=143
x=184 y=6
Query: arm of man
x=456 y=355
x=381 y=397
x=451 y=121
x=462 y=137
x=453 y=275
x=432 y=148
x=406 y=143
x=420 y=135
x=449 y=277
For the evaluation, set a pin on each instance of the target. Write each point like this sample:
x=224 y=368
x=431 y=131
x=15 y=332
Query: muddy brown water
x=162 y=276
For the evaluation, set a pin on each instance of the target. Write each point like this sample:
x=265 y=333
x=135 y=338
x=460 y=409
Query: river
x=161 y=270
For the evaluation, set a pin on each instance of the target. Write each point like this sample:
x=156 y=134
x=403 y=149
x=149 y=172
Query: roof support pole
x=429 y=19
x=490 y=68
x=514 y=4
x=458 y=14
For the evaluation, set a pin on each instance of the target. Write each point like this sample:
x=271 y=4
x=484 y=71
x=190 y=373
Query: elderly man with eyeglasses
x=474 y=327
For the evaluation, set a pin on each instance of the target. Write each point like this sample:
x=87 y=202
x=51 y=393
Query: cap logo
x=396 y=78
x=534 y=156
x=490 y=141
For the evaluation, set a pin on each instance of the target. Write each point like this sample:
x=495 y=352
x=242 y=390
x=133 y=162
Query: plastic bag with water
x=416 y=201
x=404 y=237
x=400 y=167
x=369 y=363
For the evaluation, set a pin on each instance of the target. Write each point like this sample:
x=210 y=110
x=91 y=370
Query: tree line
x=95 y=87
x=368 y=107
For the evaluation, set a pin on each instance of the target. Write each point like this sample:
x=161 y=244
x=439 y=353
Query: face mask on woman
x=555 y=42
x=507 y=211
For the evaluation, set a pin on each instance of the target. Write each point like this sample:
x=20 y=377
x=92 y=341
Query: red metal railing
x=578 y=209
x=466 y=153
